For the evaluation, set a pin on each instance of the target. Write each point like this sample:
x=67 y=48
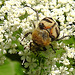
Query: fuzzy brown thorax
x=41 y=37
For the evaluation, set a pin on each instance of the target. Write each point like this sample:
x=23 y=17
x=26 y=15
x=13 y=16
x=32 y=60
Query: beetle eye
x=41 y=26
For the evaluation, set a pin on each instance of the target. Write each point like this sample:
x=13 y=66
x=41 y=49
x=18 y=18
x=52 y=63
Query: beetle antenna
x=33 y=23
x=33 y=10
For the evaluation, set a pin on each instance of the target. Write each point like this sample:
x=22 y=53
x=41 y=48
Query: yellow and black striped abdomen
x=51 y=26
x=54 y=32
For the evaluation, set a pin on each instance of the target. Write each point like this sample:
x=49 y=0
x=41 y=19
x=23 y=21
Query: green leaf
x=59 y=64
x=17 y=33
x=72 y=61
x=71 y=41
x=23 y=16
x=60 y=52
x=16 y=41
x=19 y=46
x=11 y=68
x=6 y=14
x=1 y=22
x=73 y=72
x=2 y=3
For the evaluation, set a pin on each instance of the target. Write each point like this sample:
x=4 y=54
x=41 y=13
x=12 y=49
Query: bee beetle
x=46 y=32
x=50 y=26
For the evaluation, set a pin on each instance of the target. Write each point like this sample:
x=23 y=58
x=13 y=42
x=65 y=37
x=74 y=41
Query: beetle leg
x=26 y=35
x=30 y=45
x=52 y=37
x=58 y=23
x=44 y=48
x=52 y=48
x=63 y=37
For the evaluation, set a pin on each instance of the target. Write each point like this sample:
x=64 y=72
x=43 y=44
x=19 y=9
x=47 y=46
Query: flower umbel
x=16 y=20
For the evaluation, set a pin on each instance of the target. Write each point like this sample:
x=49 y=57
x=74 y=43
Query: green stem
x=56 y=2
x=65 y=17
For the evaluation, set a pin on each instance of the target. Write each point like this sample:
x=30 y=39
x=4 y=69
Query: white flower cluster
x=1 y=33
x=63 y=60
x=18 y=16
x=2 y=58
x=61 y=70
x=70 y=53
